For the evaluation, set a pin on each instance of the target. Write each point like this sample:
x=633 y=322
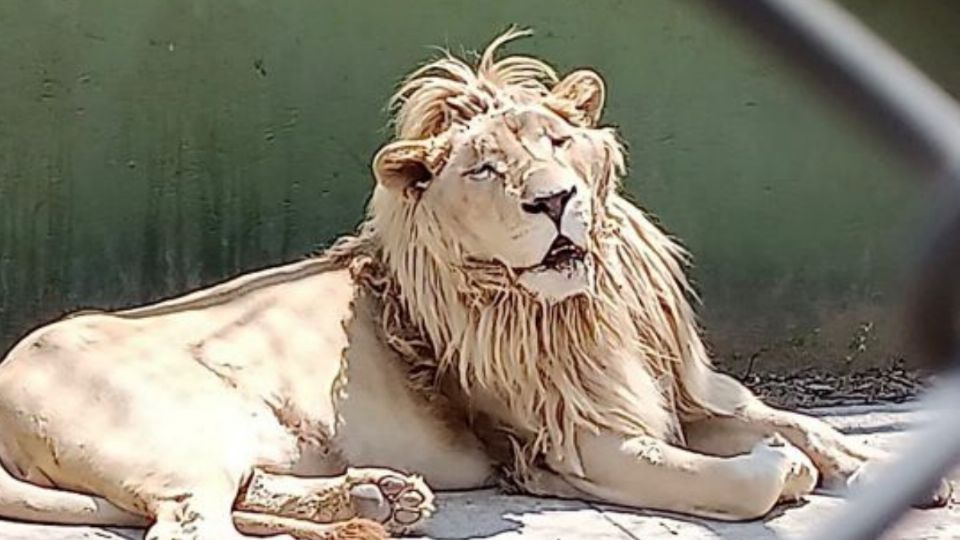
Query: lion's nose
x=552 y=205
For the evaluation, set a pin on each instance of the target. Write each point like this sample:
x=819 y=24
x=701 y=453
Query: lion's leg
x=541 y=482
x=836 y=456
x=266 y=524
x=648 y=473
x=198 y=518
x=840 y=459
x=400 y=502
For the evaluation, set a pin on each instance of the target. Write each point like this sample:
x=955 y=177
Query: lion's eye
x=483 y=173
x=560 y=142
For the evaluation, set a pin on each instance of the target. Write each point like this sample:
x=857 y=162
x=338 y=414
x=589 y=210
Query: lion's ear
x=583 y=94
x=402 y=166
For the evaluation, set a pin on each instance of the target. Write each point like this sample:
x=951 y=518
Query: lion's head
x=504 y=170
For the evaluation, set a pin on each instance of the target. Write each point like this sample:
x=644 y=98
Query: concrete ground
x=487 y=514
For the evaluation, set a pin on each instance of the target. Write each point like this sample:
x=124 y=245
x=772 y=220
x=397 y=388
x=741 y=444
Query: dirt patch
x=820 y=388
x=847 y=338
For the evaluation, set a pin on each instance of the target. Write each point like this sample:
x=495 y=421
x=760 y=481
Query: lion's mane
x=626 y=358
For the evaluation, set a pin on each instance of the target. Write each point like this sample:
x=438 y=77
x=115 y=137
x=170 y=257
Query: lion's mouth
x=563 y=253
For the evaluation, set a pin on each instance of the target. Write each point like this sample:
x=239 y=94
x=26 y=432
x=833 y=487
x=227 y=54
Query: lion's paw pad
x=402 y=503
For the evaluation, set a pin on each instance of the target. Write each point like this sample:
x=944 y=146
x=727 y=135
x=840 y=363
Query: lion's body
x=500 y=295
x=205 y=389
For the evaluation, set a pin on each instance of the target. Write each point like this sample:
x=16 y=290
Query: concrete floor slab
x=491 y=515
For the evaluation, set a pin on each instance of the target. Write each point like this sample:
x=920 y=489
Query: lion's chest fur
x=623 y=358
x=557 y=379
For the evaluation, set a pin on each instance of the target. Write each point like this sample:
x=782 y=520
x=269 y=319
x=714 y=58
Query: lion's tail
x=23 y=501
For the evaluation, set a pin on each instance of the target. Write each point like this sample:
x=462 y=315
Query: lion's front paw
x=872 y=469
x=800 y=474
x=401 y=502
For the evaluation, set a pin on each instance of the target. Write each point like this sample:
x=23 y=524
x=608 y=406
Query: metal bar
x=922 y=122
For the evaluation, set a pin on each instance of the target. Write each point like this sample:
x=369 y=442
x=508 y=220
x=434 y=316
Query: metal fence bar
x=922 y=122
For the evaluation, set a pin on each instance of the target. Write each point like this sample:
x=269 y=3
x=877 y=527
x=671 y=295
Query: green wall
x=153 y=146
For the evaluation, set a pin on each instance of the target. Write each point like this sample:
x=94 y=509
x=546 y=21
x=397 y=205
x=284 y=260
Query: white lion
x=504 y=313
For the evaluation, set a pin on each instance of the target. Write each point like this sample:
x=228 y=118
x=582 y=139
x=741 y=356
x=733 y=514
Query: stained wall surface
x=151 y=147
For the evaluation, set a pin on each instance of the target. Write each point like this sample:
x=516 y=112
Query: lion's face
x=514 y=183
x=515 y=190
